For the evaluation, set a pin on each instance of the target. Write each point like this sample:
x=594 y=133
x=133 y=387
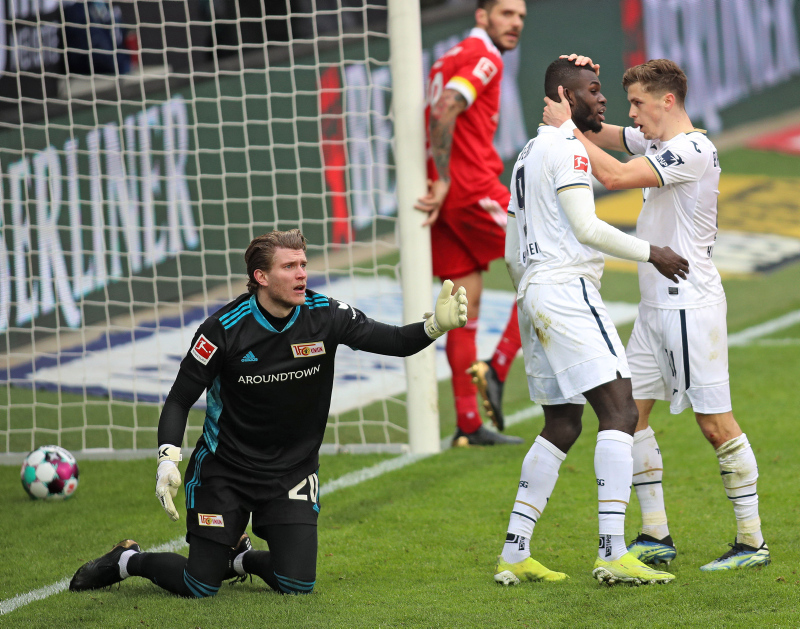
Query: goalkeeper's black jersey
x=269 y=391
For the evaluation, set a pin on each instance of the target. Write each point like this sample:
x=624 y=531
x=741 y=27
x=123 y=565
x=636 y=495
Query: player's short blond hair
x=660 y=76
x=260 y=253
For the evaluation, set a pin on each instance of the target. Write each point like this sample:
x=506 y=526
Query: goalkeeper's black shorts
x=220 y=500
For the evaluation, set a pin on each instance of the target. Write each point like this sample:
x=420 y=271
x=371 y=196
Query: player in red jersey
x=467 y=204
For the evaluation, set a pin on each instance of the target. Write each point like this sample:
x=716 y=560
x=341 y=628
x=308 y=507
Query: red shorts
x=467 y=239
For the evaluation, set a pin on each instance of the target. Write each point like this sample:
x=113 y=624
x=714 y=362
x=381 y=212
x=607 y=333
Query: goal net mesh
x=143 y=145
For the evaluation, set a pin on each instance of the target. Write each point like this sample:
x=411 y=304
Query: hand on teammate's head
x=582 y=60
x=556 y=113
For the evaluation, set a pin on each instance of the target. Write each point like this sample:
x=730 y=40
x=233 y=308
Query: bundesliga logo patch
x=306 y=350
x=210 y=519
x=485 y=70
x=203 y=350
x=581 y=163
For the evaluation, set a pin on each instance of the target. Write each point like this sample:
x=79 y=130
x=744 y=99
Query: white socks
x=613 y=467
x=238 y=566
x=123 y=562
x=647 y=473
x=737 y=465
x=537 y=480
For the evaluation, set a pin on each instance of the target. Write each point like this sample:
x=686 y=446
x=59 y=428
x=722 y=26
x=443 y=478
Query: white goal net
x=142 y=145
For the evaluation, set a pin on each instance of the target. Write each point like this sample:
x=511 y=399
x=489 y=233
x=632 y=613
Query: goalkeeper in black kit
x=266 y=362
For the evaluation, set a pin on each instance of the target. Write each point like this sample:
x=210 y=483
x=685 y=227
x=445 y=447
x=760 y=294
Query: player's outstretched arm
x=557 y=114
x=612 y=173
x=168 y=478
x=450 y=311
x=578 y=205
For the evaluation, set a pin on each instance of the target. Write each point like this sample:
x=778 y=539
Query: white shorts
x=569 y=342
x=681 y=356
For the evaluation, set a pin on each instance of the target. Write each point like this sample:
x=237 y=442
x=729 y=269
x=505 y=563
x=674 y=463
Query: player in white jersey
x=572 y=351
x=678 y=350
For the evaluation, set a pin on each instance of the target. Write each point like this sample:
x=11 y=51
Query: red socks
x=461 y=353
x=461 y=349
x=508 y=346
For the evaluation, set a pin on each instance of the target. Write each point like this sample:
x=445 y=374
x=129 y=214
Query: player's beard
x=584 y=119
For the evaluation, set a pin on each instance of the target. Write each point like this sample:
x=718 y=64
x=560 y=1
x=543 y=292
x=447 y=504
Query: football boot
x=740 y=556
x=526 y=570
x=483 y=437
x=491 y=389
x=652 y=551
x=102 y=572
x=242 y=546
x=628 y=569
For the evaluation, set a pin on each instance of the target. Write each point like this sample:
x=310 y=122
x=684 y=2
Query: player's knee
x=563 y=434
x=623 y=416
x=291 y=585
x=197 y=589
x=569 y=432
x=631 y=414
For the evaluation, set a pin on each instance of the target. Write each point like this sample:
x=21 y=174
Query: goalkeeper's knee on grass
x=450 y=311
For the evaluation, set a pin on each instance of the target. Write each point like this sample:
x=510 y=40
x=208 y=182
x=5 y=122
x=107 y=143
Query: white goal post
x=141 y=149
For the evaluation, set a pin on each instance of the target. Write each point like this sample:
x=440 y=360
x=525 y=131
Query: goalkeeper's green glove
x=168 y=478
x=450 y=311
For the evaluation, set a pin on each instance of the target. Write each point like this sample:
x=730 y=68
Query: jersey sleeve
x=351 y=325
x=633 y=141
x=205 y=358
x=475 y=75
x=678 y=164
x=570 y=166
x=358 y=331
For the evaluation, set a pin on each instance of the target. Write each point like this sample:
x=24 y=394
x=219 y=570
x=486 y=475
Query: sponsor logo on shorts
x=485 y=70
x=306 y=350
x=581 y=163
x=203 y=350
x=210 y=519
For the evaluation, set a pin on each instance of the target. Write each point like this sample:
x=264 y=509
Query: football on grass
x=49 y=473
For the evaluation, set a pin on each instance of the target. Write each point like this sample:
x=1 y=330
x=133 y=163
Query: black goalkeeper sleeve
x=393 y=340
x=172 y=424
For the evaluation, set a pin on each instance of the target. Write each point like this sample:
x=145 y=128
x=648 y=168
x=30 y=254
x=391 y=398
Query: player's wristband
x=169 y=452
x=432 y=328
x=568 y=128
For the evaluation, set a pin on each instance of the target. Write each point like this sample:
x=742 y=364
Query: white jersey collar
x=484 y=37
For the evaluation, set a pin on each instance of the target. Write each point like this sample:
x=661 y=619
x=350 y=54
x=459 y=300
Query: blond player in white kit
x=572 y=351
x=678 y=350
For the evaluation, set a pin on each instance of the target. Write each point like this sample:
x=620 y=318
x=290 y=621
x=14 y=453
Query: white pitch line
x=348 y=480
x=781 y=323
x=368 y=473
x=34 y=595
x=56 y=588
x=525 y=413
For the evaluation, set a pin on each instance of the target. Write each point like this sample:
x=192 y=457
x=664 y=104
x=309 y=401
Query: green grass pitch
x=416 y=547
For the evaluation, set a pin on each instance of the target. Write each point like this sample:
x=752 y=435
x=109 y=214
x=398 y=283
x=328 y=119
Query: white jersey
x=551 y=254
x=681 y=213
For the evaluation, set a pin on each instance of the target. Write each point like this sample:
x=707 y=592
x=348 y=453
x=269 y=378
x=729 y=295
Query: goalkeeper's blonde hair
x=260 y=253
